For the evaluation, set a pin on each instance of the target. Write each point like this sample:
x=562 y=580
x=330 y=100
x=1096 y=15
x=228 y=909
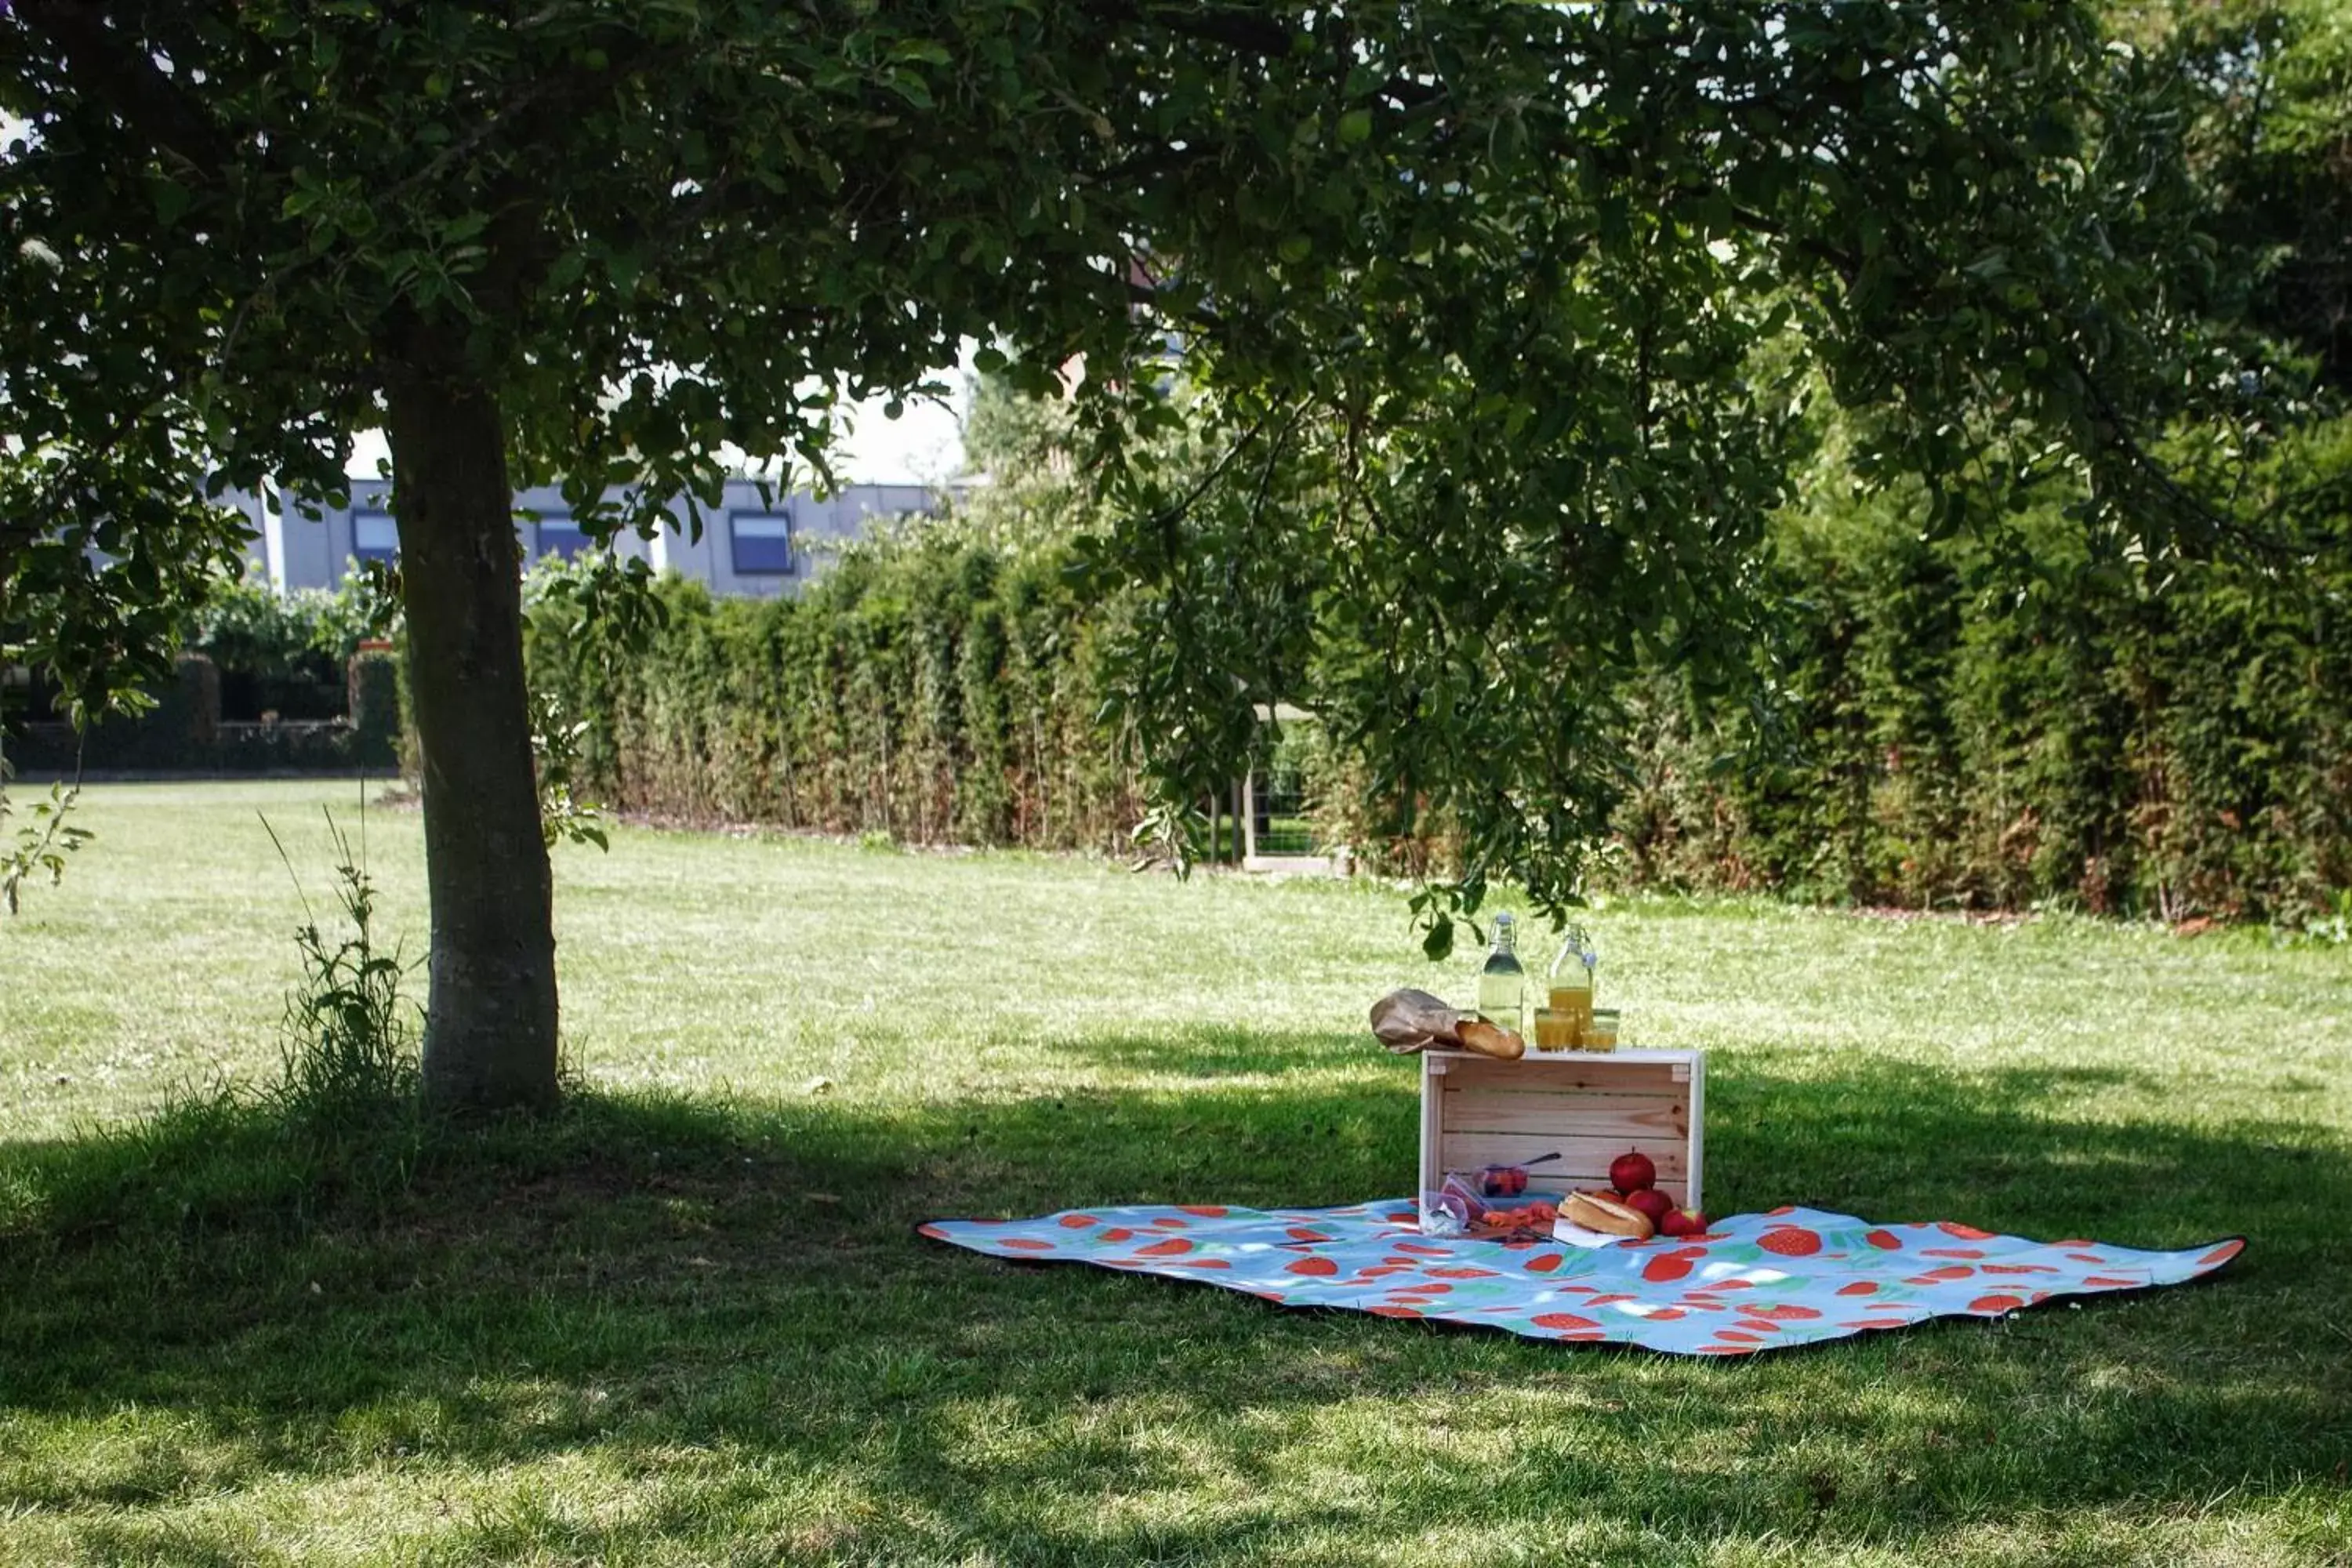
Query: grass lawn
x=688 y=1323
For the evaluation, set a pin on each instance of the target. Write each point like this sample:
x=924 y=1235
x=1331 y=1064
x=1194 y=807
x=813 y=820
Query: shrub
x=928 y=689
x=285 y=653
x=1997 y=724
x=1975 y=723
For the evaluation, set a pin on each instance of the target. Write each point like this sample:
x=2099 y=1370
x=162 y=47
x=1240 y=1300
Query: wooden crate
x=1590 y=1106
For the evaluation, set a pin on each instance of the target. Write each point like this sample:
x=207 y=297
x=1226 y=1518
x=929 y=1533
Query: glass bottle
x=1503 y=983
x=1568 y=992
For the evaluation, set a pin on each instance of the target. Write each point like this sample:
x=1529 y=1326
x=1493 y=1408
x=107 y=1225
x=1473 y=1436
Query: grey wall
x=736 y=550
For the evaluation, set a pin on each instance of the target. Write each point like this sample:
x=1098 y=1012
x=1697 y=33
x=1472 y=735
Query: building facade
x=747 y=545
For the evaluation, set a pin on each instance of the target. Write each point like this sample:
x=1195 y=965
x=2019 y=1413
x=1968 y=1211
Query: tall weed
x=347 y=1041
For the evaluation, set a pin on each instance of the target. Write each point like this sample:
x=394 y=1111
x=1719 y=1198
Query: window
x=558 y=535
x=374 y=536
x=761 y=543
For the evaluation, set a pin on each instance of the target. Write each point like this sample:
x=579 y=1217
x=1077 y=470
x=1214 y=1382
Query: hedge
x=1984 y=727
x=281 y=655
x=183 y=732
x=930 y=691
x=1960 y=724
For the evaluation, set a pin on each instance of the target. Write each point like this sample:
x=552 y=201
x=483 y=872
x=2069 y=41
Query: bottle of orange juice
x=1567 y=996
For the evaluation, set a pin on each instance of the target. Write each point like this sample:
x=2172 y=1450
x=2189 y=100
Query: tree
x=2274 y=147
x=1489 y=286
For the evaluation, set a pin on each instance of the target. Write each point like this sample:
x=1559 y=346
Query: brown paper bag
x=1407 y=1021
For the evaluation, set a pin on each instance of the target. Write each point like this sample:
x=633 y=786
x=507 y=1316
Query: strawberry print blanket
x=1755 y=1282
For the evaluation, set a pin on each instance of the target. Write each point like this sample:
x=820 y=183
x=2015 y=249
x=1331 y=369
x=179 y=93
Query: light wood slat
x=1593 y=1075
x=1568 y=1115
x=1433 y=1124
x=1584 y=1160
x=1699 y=1133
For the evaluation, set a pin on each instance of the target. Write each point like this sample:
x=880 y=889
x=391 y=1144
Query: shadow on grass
x=718 y=1313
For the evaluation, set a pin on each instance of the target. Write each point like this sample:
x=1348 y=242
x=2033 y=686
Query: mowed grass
x=687 y=1321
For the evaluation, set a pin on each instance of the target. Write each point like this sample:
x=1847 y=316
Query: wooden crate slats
x=1583 y=1162
x=1566 y=1075
x=1433 y=1124
x=1476 y=1112
x=1642 y=1119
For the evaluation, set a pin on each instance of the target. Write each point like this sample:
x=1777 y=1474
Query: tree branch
x=2119 y=437
x=1249 y=30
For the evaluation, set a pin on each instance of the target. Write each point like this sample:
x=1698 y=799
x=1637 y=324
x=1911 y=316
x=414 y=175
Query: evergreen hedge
x=1960 y=724
x=2015 y=725
x=932 y=691
x=184 y=732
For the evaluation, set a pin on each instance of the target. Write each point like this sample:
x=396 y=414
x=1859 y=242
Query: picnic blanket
x=1756 y=1282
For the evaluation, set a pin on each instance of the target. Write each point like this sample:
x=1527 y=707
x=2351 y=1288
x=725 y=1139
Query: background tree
x=1489 y=284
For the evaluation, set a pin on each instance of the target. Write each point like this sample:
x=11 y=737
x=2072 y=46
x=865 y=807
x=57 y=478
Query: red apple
x=1650 y=1202
x=1682 y=1222
x=1632 y=1171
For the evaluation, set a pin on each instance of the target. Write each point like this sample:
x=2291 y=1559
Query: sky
x=924 y=445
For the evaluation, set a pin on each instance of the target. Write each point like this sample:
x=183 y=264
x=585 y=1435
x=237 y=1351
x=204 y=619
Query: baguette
x=1611 y=1218
x=1492 y=1040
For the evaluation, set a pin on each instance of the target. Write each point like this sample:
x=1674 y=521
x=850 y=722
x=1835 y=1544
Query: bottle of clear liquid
x=1568 y=993
x=1503 y=983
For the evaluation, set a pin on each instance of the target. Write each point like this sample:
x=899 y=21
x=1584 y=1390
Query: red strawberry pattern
x=1753 y=1283
x=1790 y=1241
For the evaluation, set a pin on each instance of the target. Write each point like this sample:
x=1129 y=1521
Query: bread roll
x=1608 y=1217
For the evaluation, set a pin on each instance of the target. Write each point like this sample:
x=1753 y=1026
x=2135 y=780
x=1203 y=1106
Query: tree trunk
x=490 y=1023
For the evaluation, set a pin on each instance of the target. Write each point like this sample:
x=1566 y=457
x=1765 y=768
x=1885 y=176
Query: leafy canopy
x=1498 y=299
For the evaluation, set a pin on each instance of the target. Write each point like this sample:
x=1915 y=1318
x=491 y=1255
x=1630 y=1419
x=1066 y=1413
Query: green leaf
x=173 y=200
x=928 y=52
x=1437 y=941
